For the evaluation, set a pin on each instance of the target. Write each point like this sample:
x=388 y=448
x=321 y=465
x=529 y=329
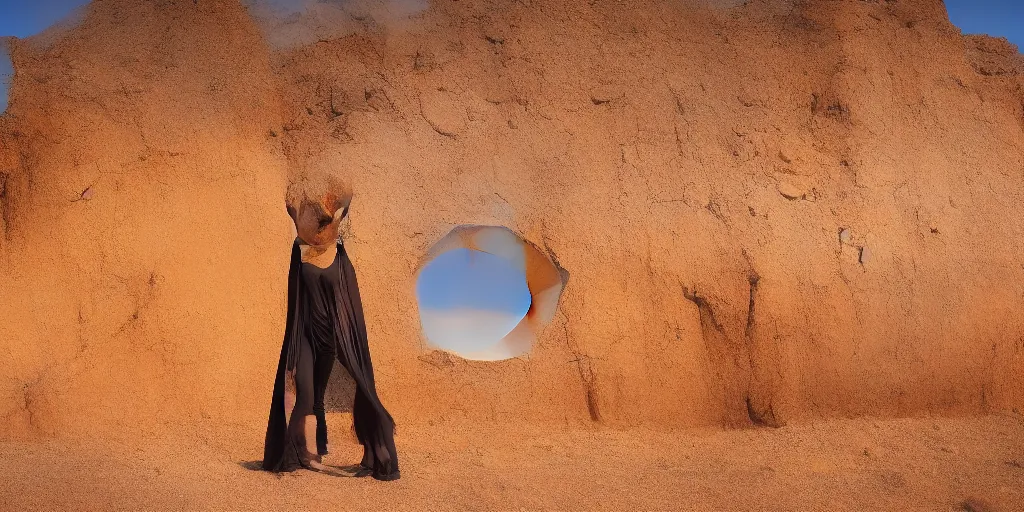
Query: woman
x=325 y=321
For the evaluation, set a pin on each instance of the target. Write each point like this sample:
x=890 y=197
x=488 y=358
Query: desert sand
x=864 y=464
x=786 y=233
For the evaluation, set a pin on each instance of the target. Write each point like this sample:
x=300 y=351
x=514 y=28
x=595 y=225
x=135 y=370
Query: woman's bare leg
x=310 y=424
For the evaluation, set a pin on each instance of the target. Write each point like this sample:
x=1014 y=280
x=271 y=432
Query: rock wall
x=768 y=213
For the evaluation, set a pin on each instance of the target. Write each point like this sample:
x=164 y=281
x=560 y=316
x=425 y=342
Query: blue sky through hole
x=469 y=300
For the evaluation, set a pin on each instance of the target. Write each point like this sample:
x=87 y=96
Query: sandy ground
x=919 y=464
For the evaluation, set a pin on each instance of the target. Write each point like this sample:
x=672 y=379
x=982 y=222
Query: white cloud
x=292 y=23
x=472 y=333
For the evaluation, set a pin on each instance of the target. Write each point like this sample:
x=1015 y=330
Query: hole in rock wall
x=483 y=293
x=469 y=300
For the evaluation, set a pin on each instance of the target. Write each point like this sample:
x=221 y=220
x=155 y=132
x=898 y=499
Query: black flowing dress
x=325 y=321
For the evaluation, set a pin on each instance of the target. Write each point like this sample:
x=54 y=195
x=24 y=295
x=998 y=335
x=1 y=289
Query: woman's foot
x=388 y=477
x=321 y=468
x=356 y=470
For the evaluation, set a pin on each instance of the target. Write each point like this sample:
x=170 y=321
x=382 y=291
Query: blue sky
x=469 y=300
x=464 y=278
x=993 y=17
x=23 y=18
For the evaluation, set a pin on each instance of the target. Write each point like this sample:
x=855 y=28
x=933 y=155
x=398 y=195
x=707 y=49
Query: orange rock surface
x=689 y=167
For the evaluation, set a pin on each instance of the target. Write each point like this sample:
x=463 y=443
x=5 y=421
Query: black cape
x=373 y=424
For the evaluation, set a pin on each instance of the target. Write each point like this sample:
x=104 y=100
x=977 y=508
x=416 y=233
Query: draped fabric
x=325 y=319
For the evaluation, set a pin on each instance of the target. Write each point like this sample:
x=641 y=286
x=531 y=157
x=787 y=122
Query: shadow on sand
x=252 y=465
x=352 y=471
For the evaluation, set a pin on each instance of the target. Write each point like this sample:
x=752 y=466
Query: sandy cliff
x=767 y=213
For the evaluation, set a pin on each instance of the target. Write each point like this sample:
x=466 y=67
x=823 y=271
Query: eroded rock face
x=640 y=147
